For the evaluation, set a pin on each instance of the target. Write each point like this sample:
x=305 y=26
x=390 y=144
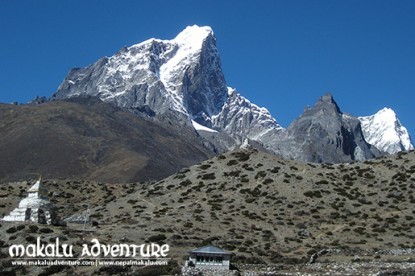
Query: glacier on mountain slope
x=385 y=131
x=199 y=127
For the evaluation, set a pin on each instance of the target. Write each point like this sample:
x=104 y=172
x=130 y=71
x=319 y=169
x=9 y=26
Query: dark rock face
x=204 y=87
x=325 y=134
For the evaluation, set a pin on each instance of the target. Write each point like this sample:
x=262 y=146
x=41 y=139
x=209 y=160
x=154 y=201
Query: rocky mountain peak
x=181 y=77
x=328 y=97
x=181 y=81
x=324 y=134
x=327 y=104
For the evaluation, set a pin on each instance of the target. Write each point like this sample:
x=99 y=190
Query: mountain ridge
x=324 y=134
x=182 y=79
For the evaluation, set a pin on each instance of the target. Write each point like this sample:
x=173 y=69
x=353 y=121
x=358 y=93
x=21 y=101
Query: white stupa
x=35 y=207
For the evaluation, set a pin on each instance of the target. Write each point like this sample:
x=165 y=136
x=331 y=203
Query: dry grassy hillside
x=261 y=208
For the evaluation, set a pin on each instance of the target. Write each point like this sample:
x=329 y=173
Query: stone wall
x=258 y=269
x=192 y=271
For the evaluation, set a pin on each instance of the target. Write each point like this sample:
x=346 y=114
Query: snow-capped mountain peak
x=192 y=37
x=180 y=79
x=191 y=48
x=385 y=131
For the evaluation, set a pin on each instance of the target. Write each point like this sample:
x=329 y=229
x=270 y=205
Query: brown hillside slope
x=258 y=205
x=261 y=208
x=90 y=140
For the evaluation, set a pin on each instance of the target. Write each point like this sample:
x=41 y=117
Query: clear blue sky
x=281 y=55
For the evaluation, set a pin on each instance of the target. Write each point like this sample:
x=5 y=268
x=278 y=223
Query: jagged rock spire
x=324 y=134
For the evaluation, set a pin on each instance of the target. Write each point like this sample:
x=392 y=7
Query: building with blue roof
x=209 y=256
